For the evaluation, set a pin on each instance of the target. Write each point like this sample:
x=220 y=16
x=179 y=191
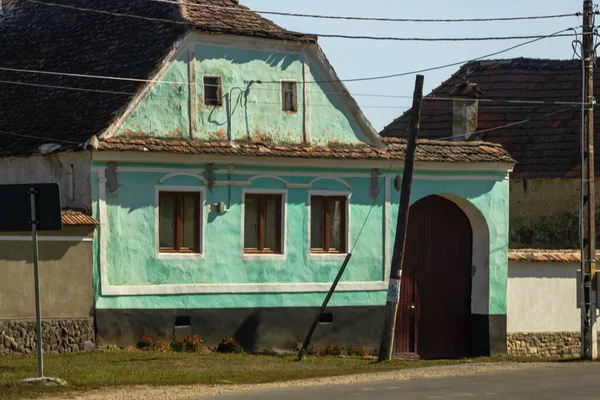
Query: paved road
x=556 y=381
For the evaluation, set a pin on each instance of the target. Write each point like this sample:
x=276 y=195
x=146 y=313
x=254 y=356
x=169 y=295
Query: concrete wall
x=70 y=170
x=544 y=213
x=542 y=297
x=65 y=274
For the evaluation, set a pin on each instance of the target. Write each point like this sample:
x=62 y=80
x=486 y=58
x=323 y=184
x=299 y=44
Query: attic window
x=212 y=91
x=289 y=96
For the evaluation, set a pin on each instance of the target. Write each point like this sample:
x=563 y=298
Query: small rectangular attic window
x=289 y=96
x=212 y=91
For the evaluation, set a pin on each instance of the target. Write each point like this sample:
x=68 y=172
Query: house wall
x=66 y=290
x=251 y=96
x=543 y=311
x=53 y=168
x=273 y=297
x=544 y=213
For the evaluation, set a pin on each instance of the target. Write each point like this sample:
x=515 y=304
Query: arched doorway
x=434 y=313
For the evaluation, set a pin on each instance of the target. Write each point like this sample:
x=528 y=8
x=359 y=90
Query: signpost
x=35 y=208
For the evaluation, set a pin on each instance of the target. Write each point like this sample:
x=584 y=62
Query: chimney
x=465 y=110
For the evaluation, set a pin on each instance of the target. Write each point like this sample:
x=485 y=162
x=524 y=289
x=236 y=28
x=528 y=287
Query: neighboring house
x=545 y=194
x=231 y=174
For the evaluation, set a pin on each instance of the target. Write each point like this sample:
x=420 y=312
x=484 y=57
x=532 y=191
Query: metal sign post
x=36 y=277
x=35 y=208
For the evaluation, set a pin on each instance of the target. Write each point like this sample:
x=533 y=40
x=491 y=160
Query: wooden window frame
x=294 y=94
x=219 y=90
x=260 y=229
x=325 y=249
x=178 y=225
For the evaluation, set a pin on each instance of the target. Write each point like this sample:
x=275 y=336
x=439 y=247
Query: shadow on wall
x=23 y=251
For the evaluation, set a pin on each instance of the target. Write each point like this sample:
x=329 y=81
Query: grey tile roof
x=41 y=37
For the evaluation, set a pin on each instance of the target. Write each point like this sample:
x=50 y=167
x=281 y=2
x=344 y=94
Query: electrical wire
x=49 y=140
x=324 y=35
x=379 y=19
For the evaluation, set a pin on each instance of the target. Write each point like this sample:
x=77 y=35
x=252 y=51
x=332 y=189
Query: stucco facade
x=133 y=278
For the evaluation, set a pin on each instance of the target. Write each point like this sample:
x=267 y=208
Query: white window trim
x=283 y=254
x=219 y=92
x=325 y=256
x=281 y=82
x=178 y=256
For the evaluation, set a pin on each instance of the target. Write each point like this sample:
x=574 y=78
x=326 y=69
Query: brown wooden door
x=435 y=299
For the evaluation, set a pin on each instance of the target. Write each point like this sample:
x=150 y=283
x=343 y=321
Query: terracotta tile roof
x=50 y=38
x=428 y=150
x=75 y=217
x=546 y=146
x=223 y=18
x=537 y=255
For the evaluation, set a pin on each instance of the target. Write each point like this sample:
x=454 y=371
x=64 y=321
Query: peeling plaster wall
x=248 y=111
x=164 y=112
x=544 y=213
x=50 y=169
x=131 y=253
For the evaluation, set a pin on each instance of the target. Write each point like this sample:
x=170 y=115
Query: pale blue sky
x=359 y=58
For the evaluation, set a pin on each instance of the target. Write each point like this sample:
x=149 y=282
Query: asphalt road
x=556 y=381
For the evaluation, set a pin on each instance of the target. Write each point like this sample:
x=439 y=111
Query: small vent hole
x=326 y=318
x=182 y=321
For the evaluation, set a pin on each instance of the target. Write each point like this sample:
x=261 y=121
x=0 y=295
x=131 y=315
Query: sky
x=363 y=58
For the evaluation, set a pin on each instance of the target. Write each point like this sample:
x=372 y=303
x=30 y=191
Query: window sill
x=264 y=256
x=327 y=256
x=180 y=256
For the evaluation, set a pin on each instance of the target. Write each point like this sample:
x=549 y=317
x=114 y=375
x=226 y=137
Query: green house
x=232 y=183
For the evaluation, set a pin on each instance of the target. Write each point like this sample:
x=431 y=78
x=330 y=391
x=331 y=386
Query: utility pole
x=393 y=296
x=588 y=252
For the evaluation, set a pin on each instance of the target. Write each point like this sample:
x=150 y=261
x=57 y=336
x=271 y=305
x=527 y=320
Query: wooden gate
x=433 y=318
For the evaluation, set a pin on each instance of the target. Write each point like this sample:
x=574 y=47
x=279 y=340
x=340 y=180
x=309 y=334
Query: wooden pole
x=393 y=297
x=311 y=330
x=588 y=251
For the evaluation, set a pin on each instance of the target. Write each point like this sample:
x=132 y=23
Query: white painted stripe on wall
x=118 y=290
x=17 y=238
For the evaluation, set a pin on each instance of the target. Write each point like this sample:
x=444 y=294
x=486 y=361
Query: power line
x=324 y=35
x=380 y=77
x=379 y=19
x=50 y=140
x=485 y=100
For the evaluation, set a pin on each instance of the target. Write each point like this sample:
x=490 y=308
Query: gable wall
x=174 y=107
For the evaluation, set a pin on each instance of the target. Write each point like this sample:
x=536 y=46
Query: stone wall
x=60 y=336
x=538 y=344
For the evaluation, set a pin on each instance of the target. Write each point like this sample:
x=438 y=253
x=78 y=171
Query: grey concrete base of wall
x=59 y=336
x=544 y=344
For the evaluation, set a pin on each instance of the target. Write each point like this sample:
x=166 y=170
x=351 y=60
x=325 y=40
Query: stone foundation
x=544 y=344
x=60 y=336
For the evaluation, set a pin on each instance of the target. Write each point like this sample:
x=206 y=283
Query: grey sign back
x=15 y=207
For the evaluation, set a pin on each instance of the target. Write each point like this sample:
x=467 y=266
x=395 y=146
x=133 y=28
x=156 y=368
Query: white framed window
x=329 y=224
x=289 y=96
x=179 y=222
x=263 y=223
x=213 y=91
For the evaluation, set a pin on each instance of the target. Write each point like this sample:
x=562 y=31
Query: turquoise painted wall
x=249 y=111
x=131 y=258
x=164 y=112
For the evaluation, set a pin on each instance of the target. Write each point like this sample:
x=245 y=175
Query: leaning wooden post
x=393 y=296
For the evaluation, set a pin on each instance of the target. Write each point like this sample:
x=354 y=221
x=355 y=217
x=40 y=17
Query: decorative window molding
x=247 y=254
x=320 y=255
x=200 y=228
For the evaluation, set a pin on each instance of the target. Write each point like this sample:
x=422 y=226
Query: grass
x=100 y=369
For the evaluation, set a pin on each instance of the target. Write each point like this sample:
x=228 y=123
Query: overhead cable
x=378 y=19
x=324 y=35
